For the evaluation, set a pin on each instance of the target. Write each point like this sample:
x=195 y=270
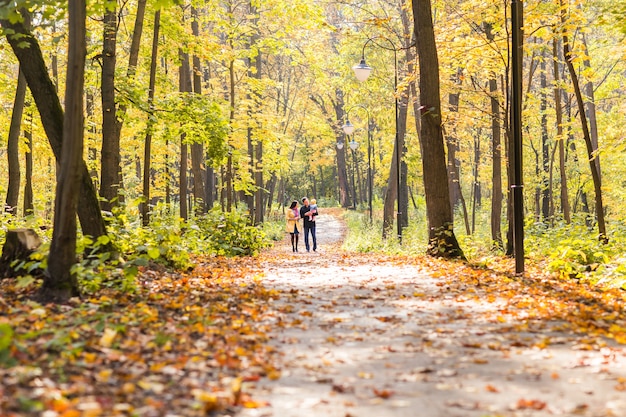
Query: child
x=313 y=209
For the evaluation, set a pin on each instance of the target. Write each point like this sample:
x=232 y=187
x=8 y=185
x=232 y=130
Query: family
x=307 y=214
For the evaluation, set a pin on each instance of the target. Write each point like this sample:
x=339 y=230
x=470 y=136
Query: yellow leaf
x=107 y=337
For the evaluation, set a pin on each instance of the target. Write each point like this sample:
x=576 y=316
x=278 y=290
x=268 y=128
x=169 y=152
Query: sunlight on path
x=365 y=336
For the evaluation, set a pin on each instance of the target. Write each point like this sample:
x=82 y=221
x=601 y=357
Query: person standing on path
x=309 y=224
x=293 y=225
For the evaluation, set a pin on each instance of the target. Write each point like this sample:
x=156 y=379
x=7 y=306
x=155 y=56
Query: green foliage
x=200 y=119
x=274 y=228
x=574 y=251
x=230 y=234
x=6 y=340
x=365 y=237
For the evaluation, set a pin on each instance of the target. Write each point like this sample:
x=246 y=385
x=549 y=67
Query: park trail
x=365 y=335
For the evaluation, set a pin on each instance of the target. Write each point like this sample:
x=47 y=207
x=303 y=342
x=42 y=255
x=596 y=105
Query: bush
x=230 y=234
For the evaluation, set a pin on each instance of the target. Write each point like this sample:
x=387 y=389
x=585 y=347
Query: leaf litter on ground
x=198 y=343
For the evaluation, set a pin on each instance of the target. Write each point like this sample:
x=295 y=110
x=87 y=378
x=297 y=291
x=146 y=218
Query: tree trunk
x=452 y=143
x=590 y=106
x=13 y=144
x=545 y=145
x=591 y=151
x=110 y=153
x=441 y=238
x=29 y=208
x=184 y=87
x=475 y=181
x=44 y=93
x=60 y=283
x=341 y=144
x=404 y=187
x=197 y=149
x=496 y=155
x=147 y=153
x=565 y=207
x=19 y=244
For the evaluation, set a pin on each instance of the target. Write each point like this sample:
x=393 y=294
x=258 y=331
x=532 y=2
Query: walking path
x=367 y=336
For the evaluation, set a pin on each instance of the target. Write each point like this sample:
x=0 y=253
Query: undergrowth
x=570 y=251
x=169 y=242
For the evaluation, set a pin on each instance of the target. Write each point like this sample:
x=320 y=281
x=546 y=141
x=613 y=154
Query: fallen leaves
x=188 y=341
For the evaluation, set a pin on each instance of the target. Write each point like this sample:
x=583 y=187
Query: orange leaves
x=383 y=393
x=116 y=353
x=491 y=388
x=524 y=404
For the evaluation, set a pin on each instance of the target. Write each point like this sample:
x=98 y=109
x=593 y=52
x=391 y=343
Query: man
x=309 y=225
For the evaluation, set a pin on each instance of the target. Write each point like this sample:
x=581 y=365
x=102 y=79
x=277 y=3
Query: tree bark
x=197 y=149
x=60 y=283
x=591 y=152
x=565 y=207
x=28 y=167
x=184 y=87
x=496 y=155
x=147 y=151
x=19 y=244
x=13 y=144
x=590 y=107
x=110 y=153
x=44 y=93
x=442 y=241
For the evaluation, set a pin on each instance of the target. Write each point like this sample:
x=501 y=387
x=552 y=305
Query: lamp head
x=354 y=144
x=348 y=128
x=339 y=145
x=362 y=70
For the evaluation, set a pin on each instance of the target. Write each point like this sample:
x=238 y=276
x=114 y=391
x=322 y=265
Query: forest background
x=203 y=119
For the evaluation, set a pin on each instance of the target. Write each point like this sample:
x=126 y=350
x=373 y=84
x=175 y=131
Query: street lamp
x=362 y=71
x=348 y=129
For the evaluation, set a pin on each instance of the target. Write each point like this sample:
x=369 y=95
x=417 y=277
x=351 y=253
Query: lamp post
x=516 y=122
x=348 y=129
x=353 y=145
x=362 y=71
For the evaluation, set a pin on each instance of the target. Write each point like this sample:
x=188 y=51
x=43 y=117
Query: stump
x=19 y=245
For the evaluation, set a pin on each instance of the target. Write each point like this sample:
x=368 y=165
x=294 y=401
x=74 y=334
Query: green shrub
x=230 y=234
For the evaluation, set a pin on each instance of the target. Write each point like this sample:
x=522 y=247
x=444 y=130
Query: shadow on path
x=368 y=335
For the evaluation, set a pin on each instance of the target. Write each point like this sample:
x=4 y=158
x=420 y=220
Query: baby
x=313 y=208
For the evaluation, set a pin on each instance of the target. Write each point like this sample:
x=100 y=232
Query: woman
x=293 y=224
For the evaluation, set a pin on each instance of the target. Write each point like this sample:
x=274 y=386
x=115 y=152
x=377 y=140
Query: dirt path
x=367 y=335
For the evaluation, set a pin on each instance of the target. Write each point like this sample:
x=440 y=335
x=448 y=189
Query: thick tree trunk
x=19 y=244
x=44 y=93
x=13 y=144
x=60 y=283
x=110 y=153
x=441 y=238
